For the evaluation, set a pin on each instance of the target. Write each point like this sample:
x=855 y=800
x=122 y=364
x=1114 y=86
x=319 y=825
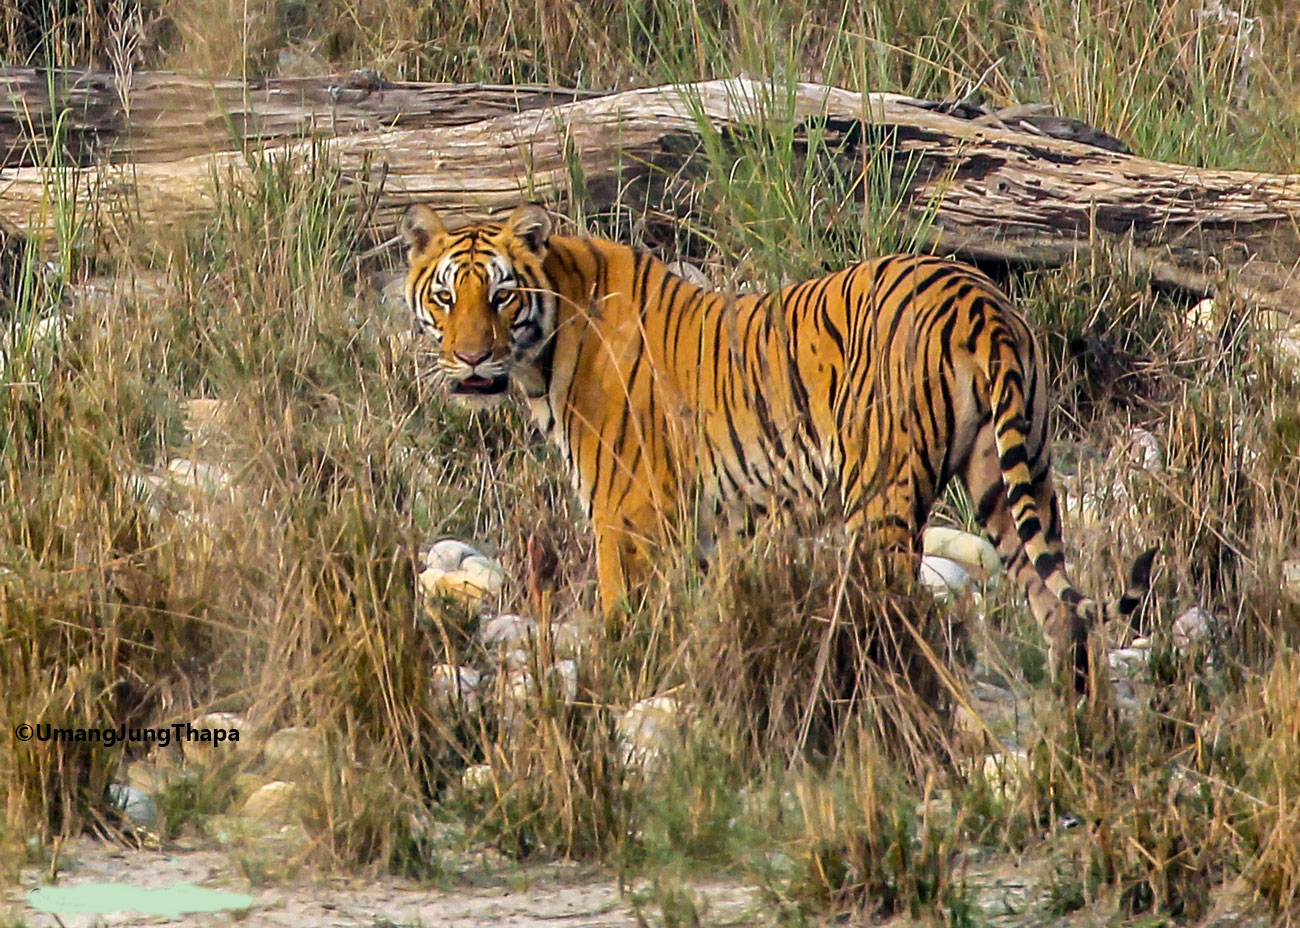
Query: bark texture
x=985 y=189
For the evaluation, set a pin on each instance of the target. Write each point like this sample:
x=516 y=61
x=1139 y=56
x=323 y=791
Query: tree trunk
x=983 y=192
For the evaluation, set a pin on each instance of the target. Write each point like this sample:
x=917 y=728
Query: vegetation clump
x=845 y=744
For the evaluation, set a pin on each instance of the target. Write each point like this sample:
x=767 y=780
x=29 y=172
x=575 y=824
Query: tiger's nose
x=473 y=358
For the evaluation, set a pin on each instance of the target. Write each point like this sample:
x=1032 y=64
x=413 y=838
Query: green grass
x=834 y=783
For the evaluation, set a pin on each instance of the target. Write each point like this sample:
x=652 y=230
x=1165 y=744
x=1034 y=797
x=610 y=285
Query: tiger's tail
x=1040 y=541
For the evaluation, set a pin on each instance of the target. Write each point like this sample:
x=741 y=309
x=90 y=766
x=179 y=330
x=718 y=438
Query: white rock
x=647 y=728
x=1144 y=450
x=476 y=778
x=507 y=631
x=294 y=749
x=1203 y=316
x=447 y=555
x=241 y=740
x=1084 y=508
x=567 y=640
x=205 y=418
x=974 y=553
x=942 y=576
x=517 y=691
x=200 y=476
x=226 y=720
x=137 y=805
x=1007 y=771
x=518 y=688
x=1288 y=344
x=1291 y=579
x=1129 y=661
x=517 y=659
x=454 y=568
x=50 y=328
x=271 y=803
x=483 y=574
x=565 y=675
x=1195 y=624
x=691 y=273
x=454 y=687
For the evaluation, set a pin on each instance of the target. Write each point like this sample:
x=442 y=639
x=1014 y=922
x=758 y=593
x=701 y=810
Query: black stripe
x=1017 y=492
x=1071 y=597
x=1048 y=563
x=1012 y=457
x=988 y=503
x=1029 y=529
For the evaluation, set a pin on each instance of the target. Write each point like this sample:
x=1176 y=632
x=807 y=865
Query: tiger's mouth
x=475 y=385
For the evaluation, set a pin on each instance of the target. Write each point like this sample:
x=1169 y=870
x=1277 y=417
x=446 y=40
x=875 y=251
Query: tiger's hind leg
x=891 y=520
x=1063 y=627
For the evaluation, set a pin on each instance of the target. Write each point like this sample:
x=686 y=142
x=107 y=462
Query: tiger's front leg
x=625 y=542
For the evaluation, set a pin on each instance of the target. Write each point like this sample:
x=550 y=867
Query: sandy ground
x=554 y=896
x=1004 y=893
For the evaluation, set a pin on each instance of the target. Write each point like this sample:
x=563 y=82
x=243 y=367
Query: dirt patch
x=559 y=895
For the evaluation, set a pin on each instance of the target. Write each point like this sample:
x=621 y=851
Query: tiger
x=865 y=391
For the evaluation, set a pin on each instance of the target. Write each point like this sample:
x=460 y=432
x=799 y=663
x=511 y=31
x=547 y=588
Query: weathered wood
x=989 y=192
x=160 y=116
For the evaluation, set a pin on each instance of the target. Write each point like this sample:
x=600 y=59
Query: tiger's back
x=864 y=391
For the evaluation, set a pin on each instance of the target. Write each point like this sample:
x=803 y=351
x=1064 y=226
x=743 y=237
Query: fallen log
x=97 y=116
x=986 y=192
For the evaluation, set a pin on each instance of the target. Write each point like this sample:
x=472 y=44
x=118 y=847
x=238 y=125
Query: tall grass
x=815 y=751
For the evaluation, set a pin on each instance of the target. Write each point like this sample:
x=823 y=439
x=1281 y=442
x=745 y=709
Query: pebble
x=565 y=673
x=208 y=479
x=446 y=555
x=517 y=659
x=1291 y=579
x=137 y=805
x=1194 y=625
x=507 y=631
x=271 y=803
x=226 y=720
x=1144 y=450
x=974 y=553
x=1203 y=316
x=1129 y=661
x=476 y=778
x=455 y=687
x=691 y=274
x=457 y=569
x=206 y=752
x=1006 y=771
x=646 y=729
x=205 y=418
x=294 y=749
x=942 y=576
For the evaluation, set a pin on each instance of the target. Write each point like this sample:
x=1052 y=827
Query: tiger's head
x=480 y=293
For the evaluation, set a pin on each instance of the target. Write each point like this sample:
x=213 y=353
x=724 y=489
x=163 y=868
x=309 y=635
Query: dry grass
x=818 y=756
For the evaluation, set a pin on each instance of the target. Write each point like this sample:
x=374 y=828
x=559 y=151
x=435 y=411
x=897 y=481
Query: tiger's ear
x=419 y=227
x=532 y=224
